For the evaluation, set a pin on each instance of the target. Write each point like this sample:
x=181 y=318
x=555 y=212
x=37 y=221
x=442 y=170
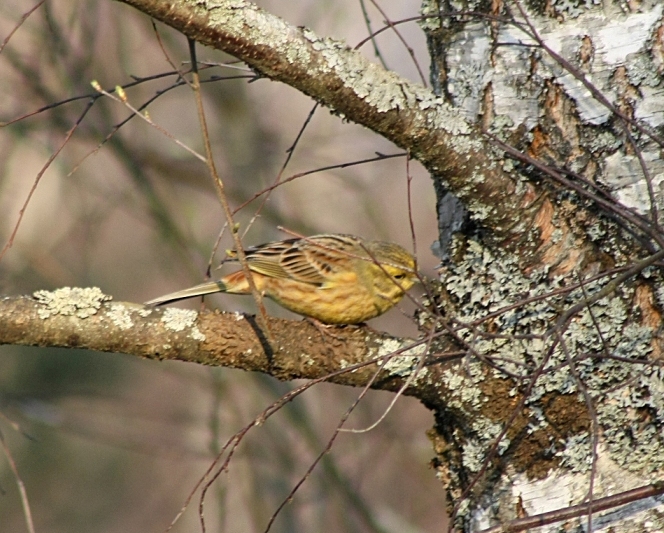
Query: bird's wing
x=320 y=259
x=312 y=260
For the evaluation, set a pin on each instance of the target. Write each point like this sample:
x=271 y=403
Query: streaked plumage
x=336 y=279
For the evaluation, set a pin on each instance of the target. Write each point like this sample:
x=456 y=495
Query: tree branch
x=86 y=318
x=330 y=72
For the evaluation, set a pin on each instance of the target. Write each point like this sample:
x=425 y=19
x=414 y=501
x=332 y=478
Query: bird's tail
x=198 y=290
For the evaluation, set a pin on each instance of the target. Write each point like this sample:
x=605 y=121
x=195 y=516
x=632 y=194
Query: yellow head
x=394 y=274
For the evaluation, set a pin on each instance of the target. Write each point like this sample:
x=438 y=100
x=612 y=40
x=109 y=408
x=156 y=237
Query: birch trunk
x=562 y=415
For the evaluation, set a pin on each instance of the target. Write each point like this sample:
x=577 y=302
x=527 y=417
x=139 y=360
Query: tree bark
x=575 y=94
x=544 y=124
x=85 y=318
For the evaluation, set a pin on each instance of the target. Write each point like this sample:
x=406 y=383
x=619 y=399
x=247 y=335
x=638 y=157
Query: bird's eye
x=399 y=276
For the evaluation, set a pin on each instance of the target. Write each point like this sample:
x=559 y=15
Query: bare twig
x=221 y=193
x=21 y=486
x=40 y=174
x=24 y=17
x=574 y=511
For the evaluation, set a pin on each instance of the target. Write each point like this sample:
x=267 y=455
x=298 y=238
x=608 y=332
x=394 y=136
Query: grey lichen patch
x=634 y=419
x=431 y=19
x=463 y=387
x=574 y=8
x=577 y=454
x=250 y=23
x=145 y=312
x=522 y=337
x=181 y=319
x=178 y=319
x=232 y=4
x=643 y=72
x=480 y=211
x=120 y=316
x=383 y=89
x=659 y=296
x=296 y=54
x=602 y=141
x=403 y=362
x=465 y=394
x=70 y=301
x=463 y=143
x=309 y=35
x=474 y=449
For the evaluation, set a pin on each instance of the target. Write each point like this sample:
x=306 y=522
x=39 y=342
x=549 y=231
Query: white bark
x=496 y=69
x=616 y=39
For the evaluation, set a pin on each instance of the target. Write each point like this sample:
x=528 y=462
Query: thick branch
x=340 y=78
x=85 y=318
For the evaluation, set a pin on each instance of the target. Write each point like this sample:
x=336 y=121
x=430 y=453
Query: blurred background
x=110 y=443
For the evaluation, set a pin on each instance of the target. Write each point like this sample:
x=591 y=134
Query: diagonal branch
x=85 y=318
x=342 y=79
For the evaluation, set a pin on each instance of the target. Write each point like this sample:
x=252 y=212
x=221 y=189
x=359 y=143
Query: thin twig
x=21 y=486
x=403 y=41
x=121 y=100
x=266 y=190
x=290 y=151
x=601 y=504
x=412 y=376
x=210 y=475
x=221 y=193
x=372 y=35
x=24 y=17
x=40 y=174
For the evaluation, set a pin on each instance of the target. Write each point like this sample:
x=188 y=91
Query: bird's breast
x=340 y=301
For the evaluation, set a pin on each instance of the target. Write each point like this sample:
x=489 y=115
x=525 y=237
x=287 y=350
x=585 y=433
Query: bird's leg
x=324 y=329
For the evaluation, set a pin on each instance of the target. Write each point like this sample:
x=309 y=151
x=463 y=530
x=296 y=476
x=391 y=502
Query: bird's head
x=393 y=270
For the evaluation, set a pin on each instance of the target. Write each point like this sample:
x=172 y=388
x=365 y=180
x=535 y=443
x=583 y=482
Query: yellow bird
x=335 y=278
